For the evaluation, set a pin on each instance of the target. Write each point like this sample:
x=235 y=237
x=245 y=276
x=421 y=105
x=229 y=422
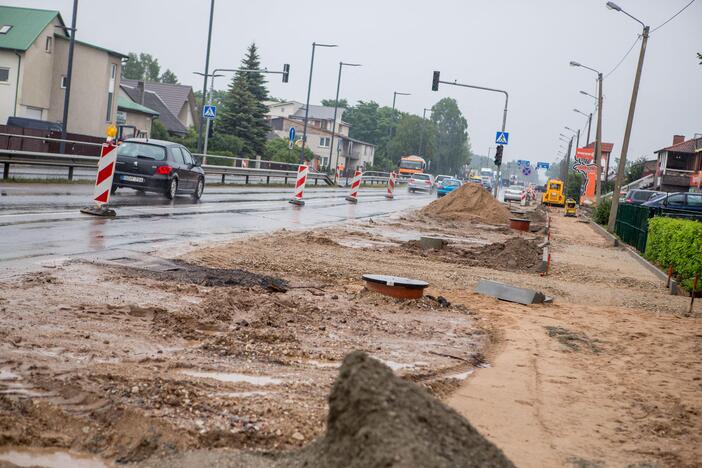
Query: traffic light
x=435 y=81
x=498 y=155
x=286 y=72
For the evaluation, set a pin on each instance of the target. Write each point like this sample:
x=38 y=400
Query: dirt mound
x=469 y=203
x=514 y=254
x=378 y=419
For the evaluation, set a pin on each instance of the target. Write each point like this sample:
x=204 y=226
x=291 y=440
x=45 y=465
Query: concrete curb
x=662 y=275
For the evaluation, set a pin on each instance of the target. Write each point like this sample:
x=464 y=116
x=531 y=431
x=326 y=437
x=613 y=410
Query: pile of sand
x=376 y=419
x=470 y=202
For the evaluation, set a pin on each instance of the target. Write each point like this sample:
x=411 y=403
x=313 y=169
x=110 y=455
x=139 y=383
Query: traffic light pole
x=435 y=87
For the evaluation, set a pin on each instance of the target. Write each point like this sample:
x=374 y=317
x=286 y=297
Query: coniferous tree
x=243 y=113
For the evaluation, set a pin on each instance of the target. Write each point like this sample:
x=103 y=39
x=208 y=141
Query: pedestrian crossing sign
x=209 y=112
x=501 y=138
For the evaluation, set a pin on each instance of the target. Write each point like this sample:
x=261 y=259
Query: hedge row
x=676 y=242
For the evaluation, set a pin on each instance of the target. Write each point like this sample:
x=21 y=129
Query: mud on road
x=231 y=346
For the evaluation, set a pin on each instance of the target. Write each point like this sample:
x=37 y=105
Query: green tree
x=371 y=123
x=158 y=130
x=343 y=103
x=243 y=112
x=168 y=77
x=278 y=150
x=452 y=145
x=412 y=132
x=699 y=56
x=634 y=170
x=133 y=69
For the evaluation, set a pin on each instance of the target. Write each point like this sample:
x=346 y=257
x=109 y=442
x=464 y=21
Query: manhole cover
x=396 y=286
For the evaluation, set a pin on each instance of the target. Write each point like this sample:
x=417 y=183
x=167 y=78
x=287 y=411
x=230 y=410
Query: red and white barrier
x=355 y=185
x=391 y=186
x=103 y=181
x=523 y=198
x=302 y=171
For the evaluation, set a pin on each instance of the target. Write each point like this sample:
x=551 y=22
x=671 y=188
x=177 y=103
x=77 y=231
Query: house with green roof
x=33 y=66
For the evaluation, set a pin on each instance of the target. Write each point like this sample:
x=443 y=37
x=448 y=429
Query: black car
x=639 y=197
x=683 y=201
x=158 y=166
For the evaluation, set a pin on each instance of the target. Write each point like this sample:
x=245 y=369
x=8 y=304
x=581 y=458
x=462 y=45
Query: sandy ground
x=239 y=346
x=610 y=375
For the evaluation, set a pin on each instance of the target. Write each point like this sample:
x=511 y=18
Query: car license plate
x=126 y=178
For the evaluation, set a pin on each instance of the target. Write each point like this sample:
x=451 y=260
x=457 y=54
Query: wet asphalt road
x=41 y=224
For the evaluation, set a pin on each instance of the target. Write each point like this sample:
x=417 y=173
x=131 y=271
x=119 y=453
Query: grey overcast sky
x=518 y=45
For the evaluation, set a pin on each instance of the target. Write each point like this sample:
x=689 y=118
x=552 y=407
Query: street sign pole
x=208 y=113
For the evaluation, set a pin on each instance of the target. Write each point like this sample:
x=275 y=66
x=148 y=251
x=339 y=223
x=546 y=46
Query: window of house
x=64 y=81
x=49 y=44
x=4 y=29
x=324 y=142
x=113 y=71
x=108 y=115
x=4 y=75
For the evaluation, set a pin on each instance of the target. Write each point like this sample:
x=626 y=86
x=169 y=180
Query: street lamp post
x=69 y=75
x=205 y=75
x=589 y=121
x=421 y=132
x=629 y=120
x=336 y=106
x=598 y=136
x=307 y=103
x=394 y=98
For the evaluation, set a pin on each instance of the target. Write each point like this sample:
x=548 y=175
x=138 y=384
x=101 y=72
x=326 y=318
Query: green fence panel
x=632 y=225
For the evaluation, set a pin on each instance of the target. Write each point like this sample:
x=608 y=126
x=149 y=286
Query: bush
x=601 y=213
x=676 y=242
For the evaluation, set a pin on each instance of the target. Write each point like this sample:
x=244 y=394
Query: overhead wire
x=672 y=17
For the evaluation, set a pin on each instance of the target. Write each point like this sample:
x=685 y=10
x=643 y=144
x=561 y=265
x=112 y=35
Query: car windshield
x=142 y=150
x=640 y=194
x=406 y=164
x=555 y=186
x=518 y=188
x=421 y=176
x=451 y=183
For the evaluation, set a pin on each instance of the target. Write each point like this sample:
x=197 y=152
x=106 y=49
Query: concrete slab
x=509 y=293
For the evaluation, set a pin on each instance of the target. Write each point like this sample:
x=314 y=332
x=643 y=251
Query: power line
x=625 y=55
x=672 y=17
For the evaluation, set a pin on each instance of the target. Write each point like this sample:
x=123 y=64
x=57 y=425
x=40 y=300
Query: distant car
x=439 y=178
x=422 y=182
x=683 y=201
x=638 y=197
x=475 y=180
x=158 y=166
x=514 y=193
x=487 y=183
x=447 y=186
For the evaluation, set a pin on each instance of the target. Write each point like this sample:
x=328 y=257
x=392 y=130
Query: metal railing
x=9 y=157
x=644 y=182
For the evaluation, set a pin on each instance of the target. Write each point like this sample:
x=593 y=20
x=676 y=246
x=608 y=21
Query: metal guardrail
x=642 y=182
x=8 y=157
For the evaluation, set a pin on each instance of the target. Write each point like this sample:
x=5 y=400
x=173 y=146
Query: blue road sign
x=291 y=134
x=526 y=170
x=523 y=163
x=209 y=111
x=542 y=165
x=501 y=138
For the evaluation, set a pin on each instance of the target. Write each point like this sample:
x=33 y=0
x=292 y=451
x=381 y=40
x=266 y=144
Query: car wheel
x=172 y=189
x=199 y=189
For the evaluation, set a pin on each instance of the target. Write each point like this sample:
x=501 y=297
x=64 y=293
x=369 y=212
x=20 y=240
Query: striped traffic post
x=103 y=180
x=302 y=171
x=391 y=186
x=355 y=185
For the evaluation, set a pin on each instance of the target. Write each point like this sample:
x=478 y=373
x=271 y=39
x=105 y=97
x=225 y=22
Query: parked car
x=422 y=182
x=158 y=166
x=683 y=201
x=438 y=179
x=447 y=186
x=638 y=197
x=487 y=183
x=514 y=193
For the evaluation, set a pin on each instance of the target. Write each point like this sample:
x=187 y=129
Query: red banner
x=584 y=164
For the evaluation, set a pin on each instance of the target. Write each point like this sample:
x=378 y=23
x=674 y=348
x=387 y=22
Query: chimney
x=140 y=92
x=677 y=139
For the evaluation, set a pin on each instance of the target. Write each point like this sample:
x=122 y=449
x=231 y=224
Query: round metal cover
x=396 y=281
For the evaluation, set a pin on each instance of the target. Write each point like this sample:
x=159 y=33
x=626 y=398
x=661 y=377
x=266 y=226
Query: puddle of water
x=6 y=374
x=323 y=364
x=235 y=378
x=394 y=365
x=243 y=394
x=51 y=459
x=460 y=376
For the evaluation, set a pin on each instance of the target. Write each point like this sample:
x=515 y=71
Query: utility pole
x=205 y=75
x=598 y=142
x=627 y=135
x=69 y=74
